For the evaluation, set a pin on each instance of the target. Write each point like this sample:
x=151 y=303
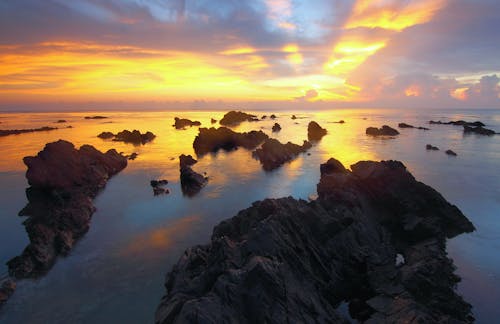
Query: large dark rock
x=182 y=123
x=457 y=123
x=315 y=132
x=234 y=118
x=384 y=131
x=134 y=137
x=214 y=139
x=191 y=181
x=404 y=125
x=480 y=130
x=6 y=132
x=273 y=154
x=63 y=181
x=292 y=261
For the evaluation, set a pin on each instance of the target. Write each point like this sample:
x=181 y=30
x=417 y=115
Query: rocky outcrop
x=404 y=125
x=63 y=181
x=134 y=137
x=7 y=288
x=457 y=123
x=6 y=132
x=480 y=130
x=315 y=132
x=213 y=139
x=182 y=123
x=276 y=127
x=430 y=147
x=384 y=131
x=450 y=152
x=292 y=261
x=273 y=154
x=96 y=117
x=234 y=118
x=191 y=181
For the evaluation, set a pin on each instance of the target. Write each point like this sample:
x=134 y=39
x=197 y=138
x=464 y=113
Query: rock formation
x=234 y=118
x=7 y=288
x=375 y=238
x=273 y=154
x=135 y=137
x=315 y=132
x=480 y=130
x=182 y=123
x=430 y=147
x=457 y=123
x=384 y=131
x=404 y=125
x=276 y=127
x=450 y=152
x=6 y=132
x=96 y=117
x=191 y=181
x=63 y=181
x=213 y=139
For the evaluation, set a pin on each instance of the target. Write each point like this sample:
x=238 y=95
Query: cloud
x=309 y=95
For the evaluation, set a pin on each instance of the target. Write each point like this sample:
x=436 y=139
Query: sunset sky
x=358 y=53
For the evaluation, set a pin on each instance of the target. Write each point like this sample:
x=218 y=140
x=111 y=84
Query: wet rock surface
x=404 y=125
x=234 y=118
x=480 y=130
x=6 y=132
x=182 y=123
x=191 y=181
x=134 y=137
x=383 y=131
x=315 y=132
x=213 y=139
x=273 y=153
x=291 y=261
x=457 y=123
x=63 y=181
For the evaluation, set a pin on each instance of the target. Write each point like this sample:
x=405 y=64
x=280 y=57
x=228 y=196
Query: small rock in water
x=384 y=131
x=276 y=127
x=429 y=147
x=273 y=116
x=450 y=152
x=315 y=132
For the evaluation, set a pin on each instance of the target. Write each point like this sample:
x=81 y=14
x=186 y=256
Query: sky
x=255 y=53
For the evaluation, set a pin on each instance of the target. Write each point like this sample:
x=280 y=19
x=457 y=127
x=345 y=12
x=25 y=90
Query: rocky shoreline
x=375 y=238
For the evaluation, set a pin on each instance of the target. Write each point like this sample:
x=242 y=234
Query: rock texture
x=457 y=123
x=404 y=125
x=63 y=181
x=315 y=132
x=384 y=131
x=182 y=123
x=273 y=154
x=213 y=139
x=480 y=130
x=6 y=132
x=134 y=137
x=292 y=261
x=234 y=118
x=191 y=181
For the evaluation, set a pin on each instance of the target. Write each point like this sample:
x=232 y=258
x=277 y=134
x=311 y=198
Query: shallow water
x=116 y=271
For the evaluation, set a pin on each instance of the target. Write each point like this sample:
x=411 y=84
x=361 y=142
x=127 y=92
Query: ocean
x=116 y=272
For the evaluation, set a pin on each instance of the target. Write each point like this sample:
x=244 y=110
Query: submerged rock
x=234 y=118
x=7 y=288
x=480 y=130
x=214 y=139
x=6 y=132
x=182 y=123
x=191 y=181
x=292 y=261
x=135 y=137
x=63 y=181
x=429 y=147
x=404 y=125
x=450 y=152
x=457 y=123
x=273 y=154
x=384 y=131
x=315 y=132
x=276 y=127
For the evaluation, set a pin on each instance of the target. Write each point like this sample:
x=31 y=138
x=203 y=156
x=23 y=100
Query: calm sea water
x=116 y=272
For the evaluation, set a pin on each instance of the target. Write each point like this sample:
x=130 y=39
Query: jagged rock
x=7 y=288
x=273 y=154
x=292 y=261
x=457 y=123
x=132 y=156
x=478 y=130
x=384 y=131
x=234 y=118
x=429 y=147
x=63 y=183
x=213 y=121
x=276 y=127
x=213 y=139
x=182 y=123
x=315 y=132
x=135 y=137
x=191 y=181
x=404 y=125
x=6 y=132
x=96 y=117
x=450 y=152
